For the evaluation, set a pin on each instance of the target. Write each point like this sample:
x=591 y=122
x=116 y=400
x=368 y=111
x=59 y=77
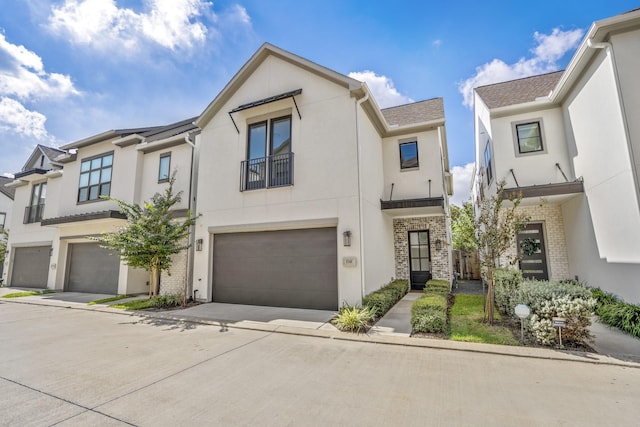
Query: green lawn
x=110 y=299
x=467 y=324
x=27 y=294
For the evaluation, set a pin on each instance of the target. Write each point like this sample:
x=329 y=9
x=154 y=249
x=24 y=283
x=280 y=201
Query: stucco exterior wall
x=603 y=159
x=180 y=164
x=586 y=263
x=325 y=188
x=440 y=259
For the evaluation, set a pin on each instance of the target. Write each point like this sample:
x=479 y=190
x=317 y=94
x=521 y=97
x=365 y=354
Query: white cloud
x=23 y=78
x=14 y=117
x=462 y=177
x=382 y=87
x=172 y=24
x=437 y=43
x=549 y=50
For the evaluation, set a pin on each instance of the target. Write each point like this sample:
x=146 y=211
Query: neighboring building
x=569 y=143
x=6 y=206
x=60 y=194
x=312 y=196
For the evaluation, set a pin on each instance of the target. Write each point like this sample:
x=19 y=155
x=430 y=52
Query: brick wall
x=555 y=241
x=437 y=227
x=176 y=282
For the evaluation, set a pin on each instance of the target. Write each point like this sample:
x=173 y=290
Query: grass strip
x=110 y=299
x=27 y=293
x=466 y=323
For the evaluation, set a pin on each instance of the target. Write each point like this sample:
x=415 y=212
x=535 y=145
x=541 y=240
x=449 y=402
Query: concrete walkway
x=397 y=321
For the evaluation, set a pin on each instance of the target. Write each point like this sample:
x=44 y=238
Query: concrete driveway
x=78 y=367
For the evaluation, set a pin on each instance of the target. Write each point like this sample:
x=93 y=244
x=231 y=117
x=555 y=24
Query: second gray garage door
x=30 y=267
x=92 y=269
x=288 y=268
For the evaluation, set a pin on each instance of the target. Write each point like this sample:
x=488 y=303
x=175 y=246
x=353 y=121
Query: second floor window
x=95 y=178
x=269 y=157
x=36 y=204
x=529 y=137
x=487 y=162
x=409 y=155
x=3 y=219
x=165 y=166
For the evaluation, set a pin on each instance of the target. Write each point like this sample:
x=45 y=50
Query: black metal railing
x=266 y=172
x=33 y=213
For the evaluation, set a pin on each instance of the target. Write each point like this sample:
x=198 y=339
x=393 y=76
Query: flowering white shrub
x=553 y=299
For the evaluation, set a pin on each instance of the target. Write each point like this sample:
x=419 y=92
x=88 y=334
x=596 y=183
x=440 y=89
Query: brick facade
x=556 y=244
x=437 y=226
x=176 y=282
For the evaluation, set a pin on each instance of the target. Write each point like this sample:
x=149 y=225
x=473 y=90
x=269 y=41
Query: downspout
x=192 y=208
x=609 y=51
x=360 y=201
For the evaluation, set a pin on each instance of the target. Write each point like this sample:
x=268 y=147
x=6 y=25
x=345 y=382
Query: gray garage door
x=30 y=267
x=289 y=268
x=92 y=269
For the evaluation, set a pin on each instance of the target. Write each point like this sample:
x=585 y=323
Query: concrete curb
x=493 y=349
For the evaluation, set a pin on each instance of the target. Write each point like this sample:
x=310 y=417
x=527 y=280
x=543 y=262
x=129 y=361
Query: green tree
x=496 y=228
x=151 y=235
x=463 y=228
x=4 y=236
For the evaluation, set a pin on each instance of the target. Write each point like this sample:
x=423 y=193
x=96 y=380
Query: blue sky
x=74 y=68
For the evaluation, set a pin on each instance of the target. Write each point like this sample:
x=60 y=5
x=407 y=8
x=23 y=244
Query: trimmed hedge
x=381 y=301
x=429 y=312
x=505 y=289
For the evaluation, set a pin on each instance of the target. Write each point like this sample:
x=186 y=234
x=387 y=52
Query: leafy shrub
x=604 y=298
x=380 y=301
x=553 y=299
x=429 y=313
x=621 y=315
x=353 y=319
x=437 y=286
x=505 y=289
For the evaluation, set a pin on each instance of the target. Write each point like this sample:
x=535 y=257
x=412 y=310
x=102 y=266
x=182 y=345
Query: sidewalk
x=392 y=329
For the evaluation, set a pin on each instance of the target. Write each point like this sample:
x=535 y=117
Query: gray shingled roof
x=417 y=112
x=51 y=152
x=518 y=91
x=9 y=192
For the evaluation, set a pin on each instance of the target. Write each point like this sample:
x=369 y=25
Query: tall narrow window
x=95 y=178
x=3 y=219
x=165 y=166
x=487 y=162
x=269 y=157
x=35 y=209
x=409 y=155
x=529 y=137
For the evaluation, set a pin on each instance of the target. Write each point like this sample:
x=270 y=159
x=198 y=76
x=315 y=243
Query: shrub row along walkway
x=607 y=341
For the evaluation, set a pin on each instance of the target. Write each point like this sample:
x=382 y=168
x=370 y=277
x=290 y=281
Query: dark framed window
x=409 y=155
x=33 y=212
x=529 y=137
x=165 y=167
x=269 y=158
x=95 y=177
x=3 y=219
x=487 y=162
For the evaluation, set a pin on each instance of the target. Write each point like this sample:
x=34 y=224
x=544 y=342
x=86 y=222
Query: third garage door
x=286 y=268
x=92 y=269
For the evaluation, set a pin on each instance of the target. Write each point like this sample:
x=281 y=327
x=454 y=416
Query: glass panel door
x=419 y=258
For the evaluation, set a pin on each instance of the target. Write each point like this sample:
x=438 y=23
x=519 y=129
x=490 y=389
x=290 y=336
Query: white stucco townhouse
x=311 y=195
x=569 y=143
x=6 y=208
x=60 y=198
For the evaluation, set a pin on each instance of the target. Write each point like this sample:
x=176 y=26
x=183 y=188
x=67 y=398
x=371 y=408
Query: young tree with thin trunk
x=463 y=229
x=496 y=228
x=151 y=235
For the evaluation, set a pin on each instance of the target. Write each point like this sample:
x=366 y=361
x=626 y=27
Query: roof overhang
x=30 y=172
x=544 y=190
x=90 y=216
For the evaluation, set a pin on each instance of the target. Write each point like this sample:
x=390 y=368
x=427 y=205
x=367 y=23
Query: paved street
x=75 y=368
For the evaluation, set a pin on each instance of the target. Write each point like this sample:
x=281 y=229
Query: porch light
x=199 y=245
x=346 y=238
x=438 y=244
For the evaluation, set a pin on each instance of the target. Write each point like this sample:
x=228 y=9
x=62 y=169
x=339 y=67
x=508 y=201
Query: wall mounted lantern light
x=199 y=245
x=438 y=244
x=346 y=238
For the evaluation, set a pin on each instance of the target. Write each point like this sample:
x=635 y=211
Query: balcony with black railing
x=33 y=213
x=266 y=172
